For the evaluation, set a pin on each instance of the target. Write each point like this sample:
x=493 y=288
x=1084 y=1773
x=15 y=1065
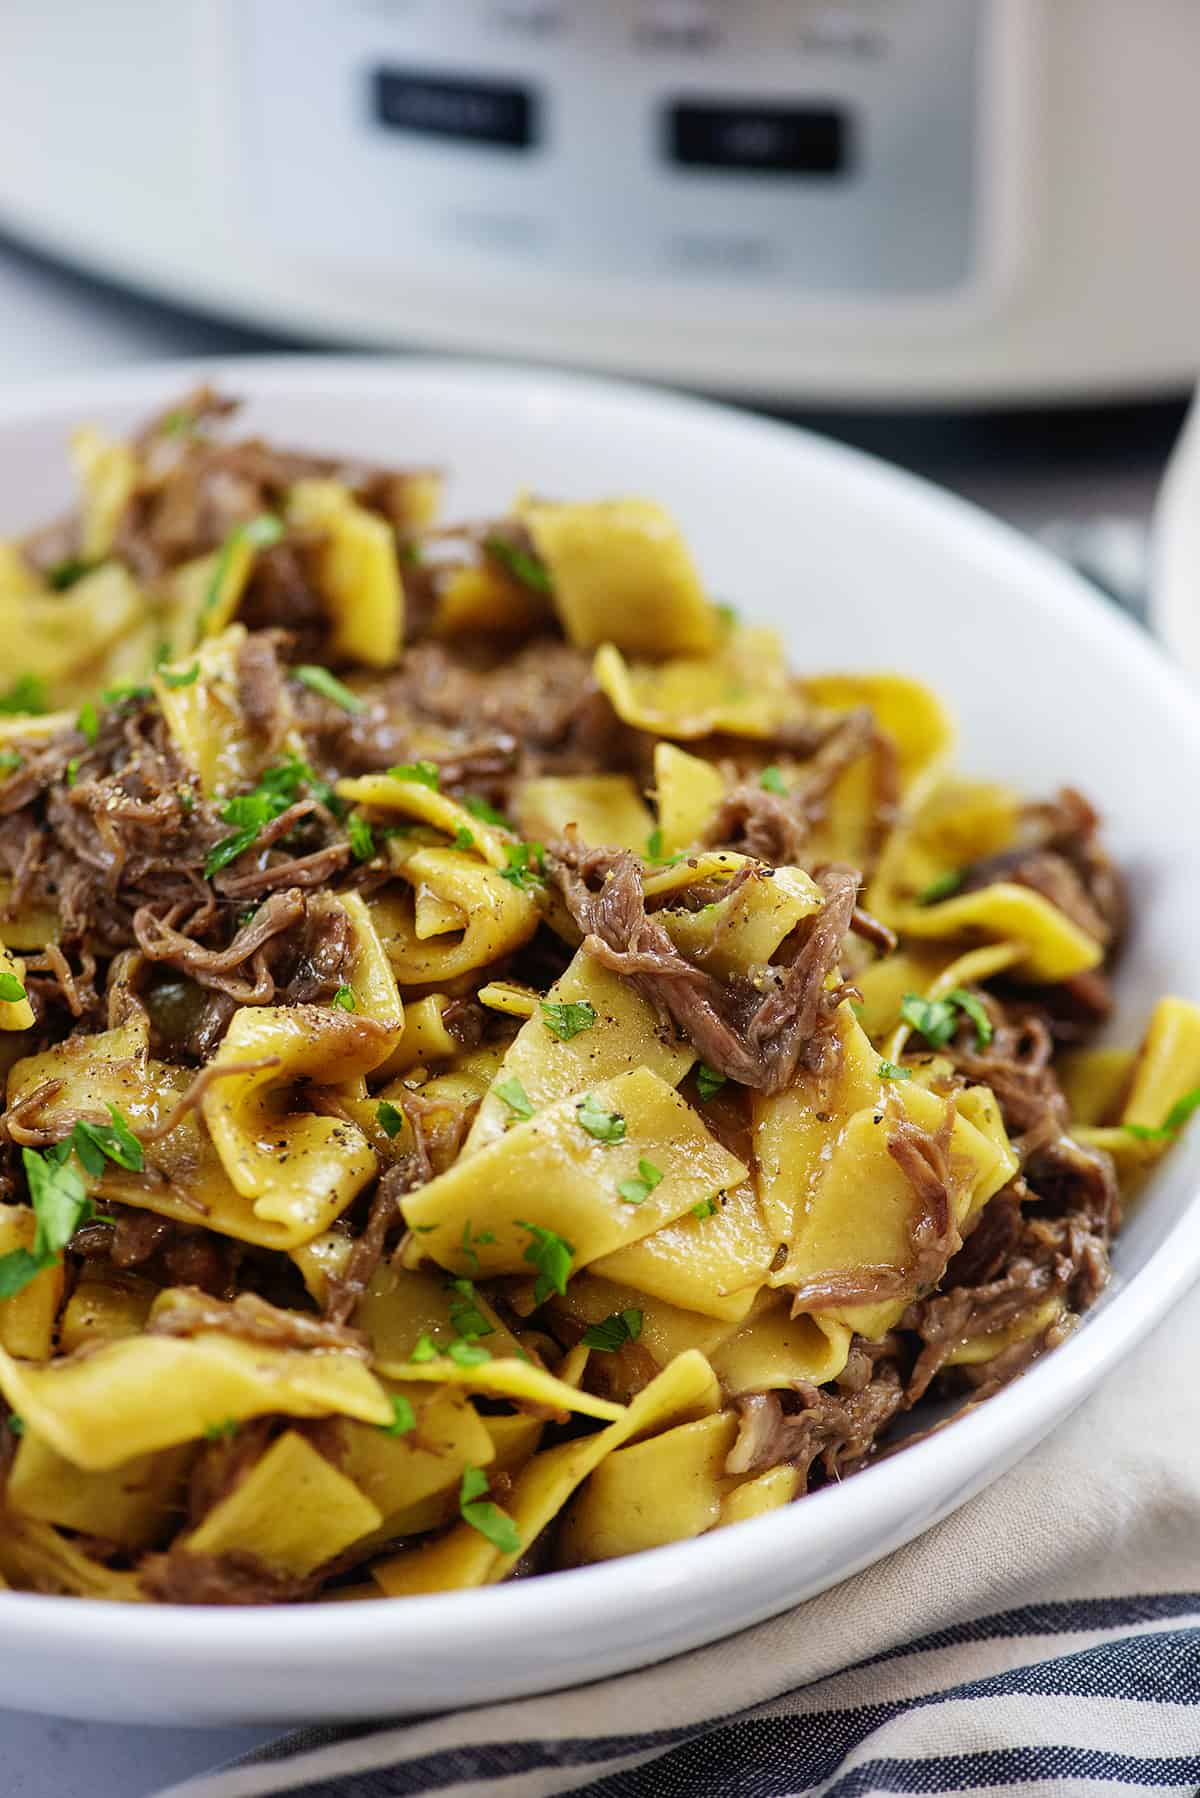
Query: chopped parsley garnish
x=515 y=1097
x=483 y=1515
x=10 y=761
x=73 y=770
x=424 y=1349
x=551 y=1255
x=319 y=680
x=526 y=865
x=463 y=838
x=941 y=888
x=27 y=696
x=11 y=990
x=60 y=1205
x=420 y=774
x=344 y=999
x=937 y=1019
x=487 y=814
x=389 y=1118
x=259 y=533
x=178 y=423
x=468 y=1354
x=126 y=689
x=520 y=563
x=16 y=1424
x=466 y=1319
x=654 y=850
x=568 y=1018
x=404 y=1418
x=726 y=613
x=250 y=812
x=605 y=1126
x=704 y=1208
x=771 y=781
x=708 y=1081
x=888 y=1070
x=222 y=1432
x=115 y=1141
x=635 y=1192
x=1174 y=1121
x=64 y=574
x=362 y=837
x=174 y=681
x=614 y=1332
x=471 y=1255
x=88 y=722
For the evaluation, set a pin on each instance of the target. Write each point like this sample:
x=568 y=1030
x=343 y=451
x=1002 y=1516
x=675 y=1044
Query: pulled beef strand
x=758 y=1039
x=253 y=1319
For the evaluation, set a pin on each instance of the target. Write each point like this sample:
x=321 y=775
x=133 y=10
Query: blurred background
x=958 y=232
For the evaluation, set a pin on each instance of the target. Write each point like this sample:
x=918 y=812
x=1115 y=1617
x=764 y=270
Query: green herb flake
x=278 y=788
x=73 y=770
x=344 y=999
x=125 y=689
x=525 y=567
x=424 y=1349
x=704 y=1208
x=60 y=1204
x=551 y=1255
x=487 y=814
x=420 y=774
x=27 y=697
x=468 y=1354
x=404 y=1418
x=173 y=681
x=568 y=1018
x=10 y=761
x=88 y=722
x=259 y=533
x=888 y=1070
x=64 y=574
x=463 y=838
x=1174 y=1121
x=515 y=1097
x=389 y=1118
x=11 y=990
x=482 y=1515
x=771 y=781
x=614 y=1332
x=708 y=1082
x=941 y=888
x=636 y=1192
x=935 y=1019
x=655 y=853
x=466 y=1319
x=223 y=1431
x=114 y=1141
x=526 y=863
x=16 y=1424
x=319 y=680
x=605 y=1126
x=362 y=837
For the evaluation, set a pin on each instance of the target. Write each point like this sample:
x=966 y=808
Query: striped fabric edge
x=797 y=1744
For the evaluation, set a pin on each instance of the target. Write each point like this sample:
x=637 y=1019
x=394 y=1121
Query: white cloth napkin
x=1044 y=1639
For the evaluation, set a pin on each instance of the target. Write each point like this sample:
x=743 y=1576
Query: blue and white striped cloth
x=1044 y=1640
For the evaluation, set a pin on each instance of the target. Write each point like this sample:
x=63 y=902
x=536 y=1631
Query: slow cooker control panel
x=833 y=150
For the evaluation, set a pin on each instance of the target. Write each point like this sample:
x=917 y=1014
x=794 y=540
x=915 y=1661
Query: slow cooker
x=925 y=202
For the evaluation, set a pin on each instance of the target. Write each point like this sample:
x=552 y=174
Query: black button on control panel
x=746 y=138
x=490 y=113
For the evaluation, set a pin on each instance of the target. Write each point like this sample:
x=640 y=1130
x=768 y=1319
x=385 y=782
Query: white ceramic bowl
x=861 y=567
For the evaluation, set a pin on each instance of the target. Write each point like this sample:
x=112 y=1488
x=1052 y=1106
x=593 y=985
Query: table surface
x=1084 y=483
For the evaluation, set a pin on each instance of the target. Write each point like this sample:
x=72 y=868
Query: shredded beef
x=345 y=1289
x=1059 y=856
x=776 y=827
x=809 y=1424
x=251 y=1318
x=759 y=1039
x=179 y=1577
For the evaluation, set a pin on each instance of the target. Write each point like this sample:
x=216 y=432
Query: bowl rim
x=996 y=1432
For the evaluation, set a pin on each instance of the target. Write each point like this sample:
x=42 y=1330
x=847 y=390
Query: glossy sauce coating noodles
x=501 y=1072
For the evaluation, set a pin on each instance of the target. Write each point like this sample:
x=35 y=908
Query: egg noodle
x=501 y=1072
